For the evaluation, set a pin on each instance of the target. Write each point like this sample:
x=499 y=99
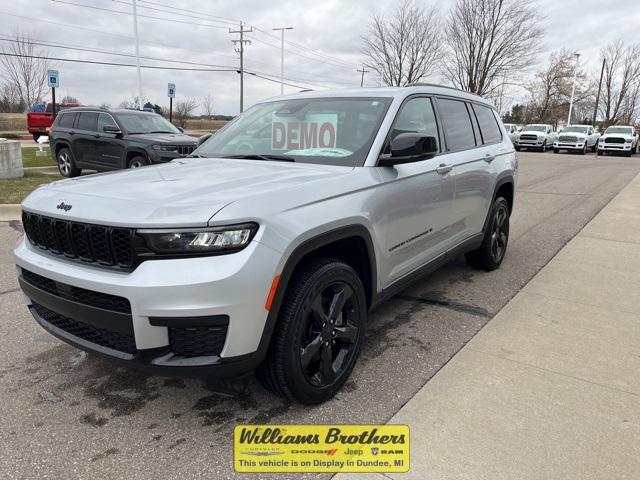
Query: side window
x=103 y=120
x=416 y=116
x=88 y=121
x=457 y=124
x=488 y=125
x=65 y=120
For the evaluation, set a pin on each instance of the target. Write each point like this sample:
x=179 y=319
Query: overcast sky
x=331 y=27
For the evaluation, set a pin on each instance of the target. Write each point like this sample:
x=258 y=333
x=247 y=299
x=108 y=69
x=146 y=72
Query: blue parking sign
x=171 y=90
x=54 y=79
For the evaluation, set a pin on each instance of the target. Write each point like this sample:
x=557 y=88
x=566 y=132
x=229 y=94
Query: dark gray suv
x=99 y=139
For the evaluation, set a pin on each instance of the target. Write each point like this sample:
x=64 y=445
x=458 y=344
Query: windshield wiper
x=195 y=156
x=162 y=131
x=255 y=156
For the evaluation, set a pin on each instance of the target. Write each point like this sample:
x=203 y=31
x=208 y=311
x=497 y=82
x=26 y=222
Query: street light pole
x=573 y=89
x=135 y=34
x=282 y=29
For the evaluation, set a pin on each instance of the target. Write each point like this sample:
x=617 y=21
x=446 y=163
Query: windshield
x=332 y=131
x=136 y=123
x=575 y=130
x=535 y=128
x=623 y=130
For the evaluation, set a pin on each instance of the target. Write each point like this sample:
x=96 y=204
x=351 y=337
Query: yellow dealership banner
x=321 y=448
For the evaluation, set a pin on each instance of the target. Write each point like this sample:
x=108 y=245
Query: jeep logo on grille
x=64 y=206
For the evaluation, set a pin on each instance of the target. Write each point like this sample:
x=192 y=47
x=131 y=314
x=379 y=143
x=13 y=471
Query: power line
x=233 y=21
x=175 y=13
x=140 y=15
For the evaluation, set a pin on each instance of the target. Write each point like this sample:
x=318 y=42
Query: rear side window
x=489 y=127
x=457 y=124
x=65 y=120
x=88 y=121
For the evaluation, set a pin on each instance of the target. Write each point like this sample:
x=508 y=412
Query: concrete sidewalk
x=550 y=387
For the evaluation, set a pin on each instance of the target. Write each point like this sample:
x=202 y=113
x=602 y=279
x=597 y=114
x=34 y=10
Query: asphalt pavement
x=69 y=415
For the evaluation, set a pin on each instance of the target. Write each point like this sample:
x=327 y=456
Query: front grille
x=614 y=140
x=99 y=336
x=81 y=295
x=528 y=137
x=185 y=149
x=109 y=246
x=197 y=341
x=567 y=138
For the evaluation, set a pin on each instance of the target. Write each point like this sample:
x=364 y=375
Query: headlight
x=164 y=148
x=628 y=140
x=230 y=238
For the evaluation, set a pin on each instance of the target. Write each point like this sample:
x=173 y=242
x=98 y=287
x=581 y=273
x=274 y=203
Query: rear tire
x=494 y=244
x=137 y=162
x=67 y=164
x=318 y=335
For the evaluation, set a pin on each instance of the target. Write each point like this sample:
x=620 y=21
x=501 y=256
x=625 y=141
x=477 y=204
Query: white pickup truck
x=578 y=138
x=620 y=139
x=535 y=136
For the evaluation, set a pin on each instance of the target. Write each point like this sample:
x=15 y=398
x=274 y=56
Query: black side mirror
x=181 y=129
x=111 y=129
x=203 y=139
x=408 y=148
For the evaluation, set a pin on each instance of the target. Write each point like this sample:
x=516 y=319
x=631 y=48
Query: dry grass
x=13 y=122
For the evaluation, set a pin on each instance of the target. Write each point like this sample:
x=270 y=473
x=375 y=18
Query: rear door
x=83 y=141
x=471 y=158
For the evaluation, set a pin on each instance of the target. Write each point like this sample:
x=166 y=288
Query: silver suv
x=266 y=251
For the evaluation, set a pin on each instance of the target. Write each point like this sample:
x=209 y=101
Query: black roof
x=107 y=110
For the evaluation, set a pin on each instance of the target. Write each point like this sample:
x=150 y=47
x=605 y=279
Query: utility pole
x=595 y=108
x=239 y=46
x=282 y=29
x=362 y=71
x=573 y=90
x=135 y=34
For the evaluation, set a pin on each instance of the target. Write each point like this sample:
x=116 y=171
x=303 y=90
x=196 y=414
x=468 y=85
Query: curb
x=10 y=211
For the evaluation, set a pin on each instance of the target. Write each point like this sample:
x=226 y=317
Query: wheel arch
x=130 y=153
x=352 y=244
x=505 y=187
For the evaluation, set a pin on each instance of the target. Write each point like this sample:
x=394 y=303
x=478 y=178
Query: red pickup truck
x=38 y=123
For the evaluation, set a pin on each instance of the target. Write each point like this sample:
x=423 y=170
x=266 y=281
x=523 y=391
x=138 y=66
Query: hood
x=166 y=138
x=185 y=192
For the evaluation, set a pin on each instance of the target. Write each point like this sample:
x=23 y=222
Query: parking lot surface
x=66 y=414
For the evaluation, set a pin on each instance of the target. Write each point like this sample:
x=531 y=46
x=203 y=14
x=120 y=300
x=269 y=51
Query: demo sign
x=314 y=131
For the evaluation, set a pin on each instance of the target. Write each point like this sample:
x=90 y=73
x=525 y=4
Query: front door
x=415 y=200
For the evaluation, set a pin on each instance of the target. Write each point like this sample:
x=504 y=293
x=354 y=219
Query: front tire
x=66 y=164
x=543 y=148
x=584 y=150
x=319 y=333
x=556 y=150
x=494 y=244
x=137 y=162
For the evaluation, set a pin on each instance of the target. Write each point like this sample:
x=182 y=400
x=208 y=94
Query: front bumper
x=568 y=145
x=529 y=143
x=166 y=298
x=615 y=147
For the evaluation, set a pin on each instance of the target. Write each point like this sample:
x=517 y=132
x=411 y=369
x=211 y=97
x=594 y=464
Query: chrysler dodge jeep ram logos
x=322 y=448
x=64 y=206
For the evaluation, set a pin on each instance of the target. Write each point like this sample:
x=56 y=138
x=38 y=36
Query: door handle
x=489 y=158
x=72 y=132
x=443 y=168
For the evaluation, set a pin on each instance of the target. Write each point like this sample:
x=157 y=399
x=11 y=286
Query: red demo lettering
x=278 y=135
x=309 y=135
x=327 y=129
x=292 y=135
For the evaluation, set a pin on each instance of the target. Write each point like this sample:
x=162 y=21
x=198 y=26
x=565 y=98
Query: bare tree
x=406 y=47
x=489 y=41
x=183 y=110
x=24 y=67
x=620 y=88
x=133 y=102
x=550 y=91
x=69 y=99
x=10 y=101
x=207 y=105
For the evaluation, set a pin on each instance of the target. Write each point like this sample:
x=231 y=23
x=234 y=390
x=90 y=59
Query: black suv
x=99 y=139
